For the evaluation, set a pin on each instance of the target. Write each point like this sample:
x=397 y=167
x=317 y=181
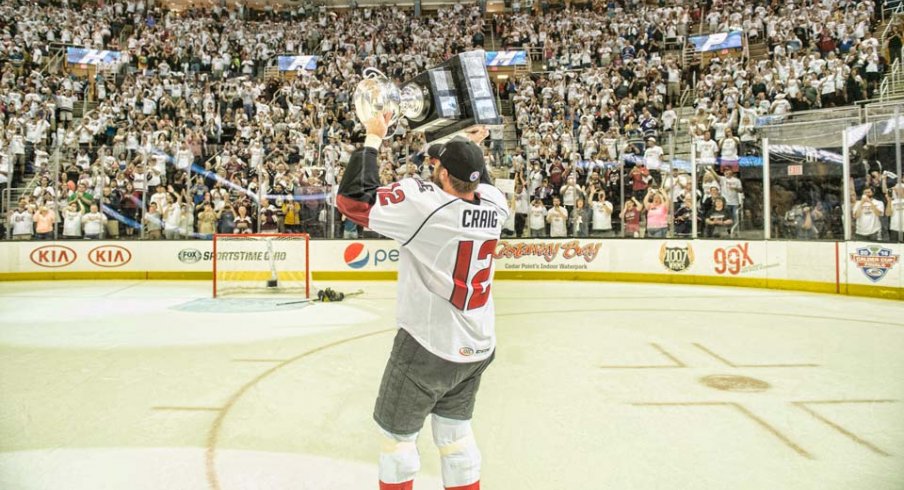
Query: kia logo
x=466 y=351
x=53 y=256
x=109 y=256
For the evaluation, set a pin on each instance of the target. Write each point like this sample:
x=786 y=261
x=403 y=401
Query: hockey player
x=447 y=230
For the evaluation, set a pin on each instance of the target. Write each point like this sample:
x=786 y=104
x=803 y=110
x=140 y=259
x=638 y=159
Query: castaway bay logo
x=676 y=258
x=550 y=251
x=555 y=255
x=874 y=261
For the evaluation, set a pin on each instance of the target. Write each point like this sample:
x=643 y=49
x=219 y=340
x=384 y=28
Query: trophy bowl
x=376 y=94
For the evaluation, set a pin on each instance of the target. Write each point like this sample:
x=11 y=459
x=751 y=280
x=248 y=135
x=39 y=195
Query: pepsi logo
x=355 y=255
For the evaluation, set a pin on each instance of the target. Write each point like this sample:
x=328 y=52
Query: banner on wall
x=717 y=42
x=85 y=56
x=800 y=263
x=295 y=63
x=506 y=58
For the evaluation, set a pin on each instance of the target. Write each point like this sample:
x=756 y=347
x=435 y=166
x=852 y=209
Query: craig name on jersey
x=479 y=218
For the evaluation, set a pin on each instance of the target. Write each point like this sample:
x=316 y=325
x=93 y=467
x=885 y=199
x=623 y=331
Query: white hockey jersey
x=445 y=262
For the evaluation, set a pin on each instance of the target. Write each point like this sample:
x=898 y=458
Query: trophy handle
x=373 y=73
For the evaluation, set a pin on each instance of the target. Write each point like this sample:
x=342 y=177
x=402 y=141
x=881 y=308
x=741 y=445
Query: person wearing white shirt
x=558 y=219
x=653 y=155
x=732 y=190
x=65 y=102
x=707 y=149
x=537 y=219
x=669 y=117
x=172 y=218
x=72 y=221
x=780 y=106
x=522 y=208
x=93 y=223
x=4 y=169
x=866 y=213
x=22 y=220
x=728 y=148
x=601 y=222
x=896 y=213
x=184 y=157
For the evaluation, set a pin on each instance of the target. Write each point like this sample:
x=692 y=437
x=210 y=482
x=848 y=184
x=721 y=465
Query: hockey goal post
x=262 y=264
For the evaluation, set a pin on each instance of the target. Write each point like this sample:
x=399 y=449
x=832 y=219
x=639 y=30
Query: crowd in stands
x=190 y=136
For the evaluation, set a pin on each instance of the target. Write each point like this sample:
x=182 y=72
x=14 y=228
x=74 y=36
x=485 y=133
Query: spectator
x=570 y=192
x=810 y=218
x=602 y=213
x=707 y=149
x=226 y=219
x=683 y=217
x=866 y=213
x=207 y=221
x=45 y=222
x=522 y=207
x=657 y=204
x=93 y=223
x=112 y=203
x=22 y=220
x=172 y=216
x=81 y=198
x=717 y=220
x=131 y=200
x=5 y=169
x=652 y=157
x=580 y=219
x=630 y=216
x=640 y=181
x=896 y=213
x=243 y=222
x=153 y=222
x=537 y=220
x=72 y=221
x=557 y=217
x=731 y=189
x=728 y=149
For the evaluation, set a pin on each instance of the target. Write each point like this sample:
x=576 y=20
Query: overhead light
x=502 y=77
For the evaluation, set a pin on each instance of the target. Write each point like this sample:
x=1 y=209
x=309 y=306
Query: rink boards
x=862 y=269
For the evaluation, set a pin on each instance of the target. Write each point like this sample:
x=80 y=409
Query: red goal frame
x=307 y=253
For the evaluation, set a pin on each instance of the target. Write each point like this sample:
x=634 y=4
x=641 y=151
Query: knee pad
x=458 y=451
x=399 y=459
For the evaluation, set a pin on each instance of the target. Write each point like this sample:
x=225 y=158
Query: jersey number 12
x=478 y=288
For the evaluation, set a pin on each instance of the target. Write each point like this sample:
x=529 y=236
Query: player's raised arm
x=358 y=189
x=477 y=134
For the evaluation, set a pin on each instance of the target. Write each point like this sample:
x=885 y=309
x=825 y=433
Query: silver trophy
x=377 y=94
x=441 y=102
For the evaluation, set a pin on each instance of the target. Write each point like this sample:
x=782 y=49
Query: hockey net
x=261 y=265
